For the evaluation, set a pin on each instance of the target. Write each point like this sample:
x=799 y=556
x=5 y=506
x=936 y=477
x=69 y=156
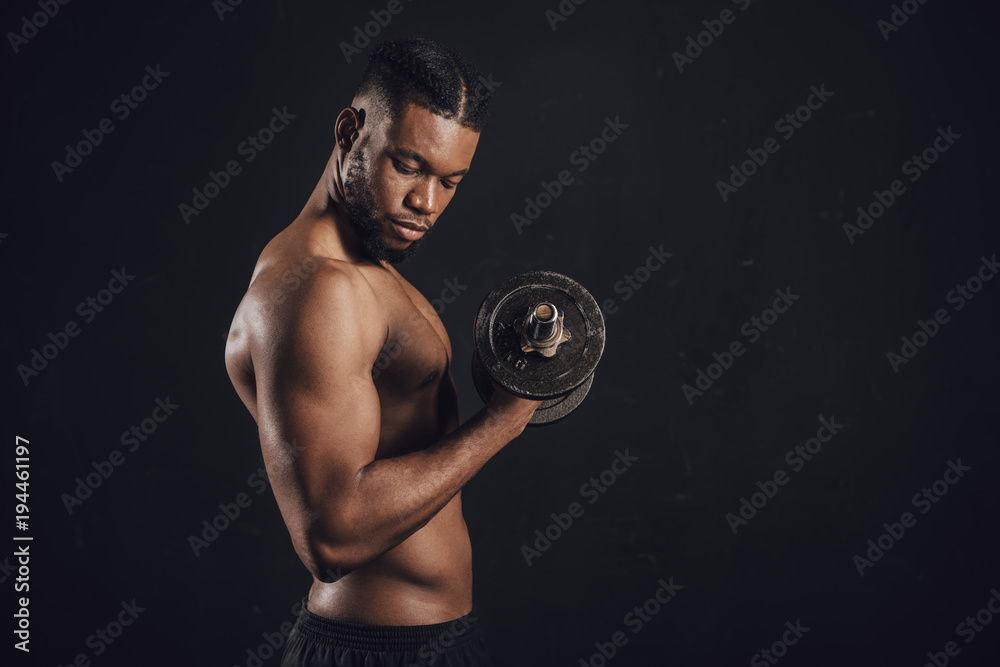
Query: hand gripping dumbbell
x=539 y=335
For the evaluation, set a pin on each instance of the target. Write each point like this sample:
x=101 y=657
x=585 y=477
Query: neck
x=325 y=212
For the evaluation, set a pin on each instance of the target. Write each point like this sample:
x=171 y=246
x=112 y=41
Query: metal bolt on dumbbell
x=542 y=329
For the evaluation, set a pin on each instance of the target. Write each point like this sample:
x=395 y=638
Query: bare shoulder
x=316 y=292
x=309 y=301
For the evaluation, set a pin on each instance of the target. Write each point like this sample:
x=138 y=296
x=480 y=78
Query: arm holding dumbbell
x=342 y=506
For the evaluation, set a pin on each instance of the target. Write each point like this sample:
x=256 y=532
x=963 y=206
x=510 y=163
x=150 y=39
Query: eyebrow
x=421 y=160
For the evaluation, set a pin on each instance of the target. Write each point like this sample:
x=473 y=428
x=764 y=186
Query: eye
x=401 y=169
x=448 y=186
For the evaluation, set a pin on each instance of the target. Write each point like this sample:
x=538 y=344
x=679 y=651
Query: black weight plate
x=530 y=375
x=549 y=411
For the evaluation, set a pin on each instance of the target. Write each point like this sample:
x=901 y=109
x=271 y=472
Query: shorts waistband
x=365 y=637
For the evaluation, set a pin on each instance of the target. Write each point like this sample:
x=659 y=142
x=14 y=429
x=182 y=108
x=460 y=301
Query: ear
x=348 y=127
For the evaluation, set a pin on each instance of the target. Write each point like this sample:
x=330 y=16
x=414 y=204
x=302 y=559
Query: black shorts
x=316 y=641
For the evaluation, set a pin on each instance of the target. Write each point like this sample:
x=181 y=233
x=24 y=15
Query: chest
x=417 y=352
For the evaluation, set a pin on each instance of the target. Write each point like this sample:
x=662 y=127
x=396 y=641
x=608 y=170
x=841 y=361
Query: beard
x=360 y=206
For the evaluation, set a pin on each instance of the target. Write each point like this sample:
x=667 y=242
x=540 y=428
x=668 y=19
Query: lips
x=408 y=231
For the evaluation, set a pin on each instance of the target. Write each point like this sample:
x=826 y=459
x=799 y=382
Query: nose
x=421 y=198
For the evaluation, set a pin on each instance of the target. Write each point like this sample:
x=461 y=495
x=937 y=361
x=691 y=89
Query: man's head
x=408 y=140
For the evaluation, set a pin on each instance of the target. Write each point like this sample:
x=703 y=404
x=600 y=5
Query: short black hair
x=416 y=70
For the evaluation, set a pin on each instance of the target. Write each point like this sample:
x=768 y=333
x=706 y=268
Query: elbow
x=333 y=550
x=339 y=543
x=330 y=562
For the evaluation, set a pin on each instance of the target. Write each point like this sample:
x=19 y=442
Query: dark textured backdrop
x=656 y=185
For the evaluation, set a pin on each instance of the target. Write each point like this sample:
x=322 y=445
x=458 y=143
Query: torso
x=427 y=578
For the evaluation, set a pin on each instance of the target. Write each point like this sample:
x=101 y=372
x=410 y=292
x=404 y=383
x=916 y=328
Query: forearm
x=392 y=498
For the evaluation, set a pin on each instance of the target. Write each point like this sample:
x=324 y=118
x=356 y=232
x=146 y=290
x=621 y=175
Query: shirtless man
x=346 y=369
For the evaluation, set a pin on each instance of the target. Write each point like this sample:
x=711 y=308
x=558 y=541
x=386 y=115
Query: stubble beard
x=360 y=206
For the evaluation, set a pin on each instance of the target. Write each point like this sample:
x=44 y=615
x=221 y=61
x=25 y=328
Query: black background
x=164 y=335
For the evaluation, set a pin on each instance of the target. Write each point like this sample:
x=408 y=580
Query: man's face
x=400 y=177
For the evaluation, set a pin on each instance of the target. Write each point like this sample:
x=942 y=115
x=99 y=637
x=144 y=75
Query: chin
x=392 y=241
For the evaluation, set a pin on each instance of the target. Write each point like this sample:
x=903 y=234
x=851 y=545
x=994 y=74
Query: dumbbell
x=539 y=335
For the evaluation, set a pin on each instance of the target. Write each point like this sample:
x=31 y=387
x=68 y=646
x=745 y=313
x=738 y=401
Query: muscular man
x=346 y=369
